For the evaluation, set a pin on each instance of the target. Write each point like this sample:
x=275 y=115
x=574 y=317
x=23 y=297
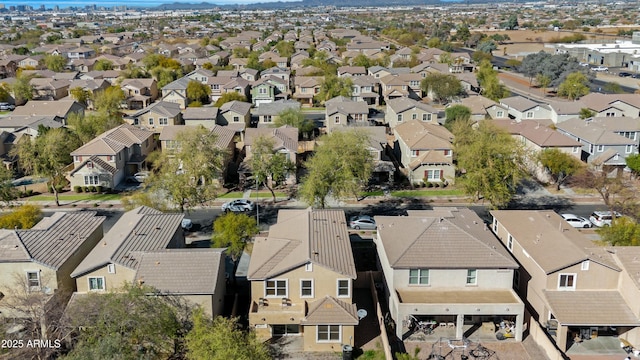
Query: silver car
x=576 y=221
x=240 y=205
x=364 y=222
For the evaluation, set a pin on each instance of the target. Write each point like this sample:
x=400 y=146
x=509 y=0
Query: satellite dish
x=361 y=314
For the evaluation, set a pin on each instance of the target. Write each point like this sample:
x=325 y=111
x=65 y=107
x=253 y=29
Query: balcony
x=276 y=311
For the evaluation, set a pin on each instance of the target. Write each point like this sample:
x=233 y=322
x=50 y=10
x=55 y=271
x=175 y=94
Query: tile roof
x=97 y=161
x=346 y=107
x=224 y=135
x=181 y=271
x=330 y=310
x=59 y=108
x=236 y=106
x=403 y=104
x=164 y=108
x=422 y=135
x=550 y=241
x=519 y=103
x=590 y=308
x=442 y=238
x=276 y=107
x=284 y=137
x=113 y=141
x=300 y=237
x=479 y=104
x=567 y=107
x=629 y=259
x=540 y=135
x=52 y=241
x=593 y=131
x=138 y=230
x=33 y=122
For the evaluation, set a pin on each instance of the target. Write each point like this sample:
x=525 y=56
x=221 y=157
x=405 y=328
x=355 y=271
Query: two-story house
x=442 y=266
x=49 y=89
x=59 y=110
x=484 y=108
x=305 y=88
x=365 y=88
x=521 y=108
x=157 y=116
x=404 y=109
x=565 y=110
x=612 y=105
x=269 y=89
x=401 y=85
x=573 y=288
x=112 y=156
x=425 y=151
x=139 y=93
x=235 y=114
x=285 y=141
x=341 y=111
x=205 y=116
x=302 y=280
x=268 y=113
x=176 y=92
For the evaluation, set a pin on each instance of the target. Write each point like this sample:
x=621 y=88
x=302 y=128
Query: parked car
x=636 y=76
x=364 y=222
x=600 y=68
x=6 y=106
x=240 y=205
x=602 y=218
x=187 y=224
x=141 y=176
x=624 y=74
x=576 y=221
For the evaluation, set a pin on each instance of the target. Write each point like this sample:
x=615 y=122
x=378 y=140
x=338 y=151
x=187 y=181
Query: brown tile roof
x=549 y=240
x=420 y=135
x=97 y=161
x=346 y=107
x=403 y=104
x=629 y=259
x=441 y=238
x=236 y=106
x=594 y=131
x=479 y=104
x=284 y=137
x=45 y=108
x=112 y=141
x=330 y=310
x=590 y=308
x=519 y=103
x=181 y=271
x=224 y=135
x=300 y=237
x=540 y=135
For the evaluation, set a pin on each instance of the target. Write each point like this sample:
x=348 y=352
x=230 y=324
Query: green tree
x=342 y=165
x=228 y=97
x=511 y=23
x=222 y=339
x=189 y=173
x=47 y=155
x=109 y=100
x=586 y=113
x=559 y=164
x=22 y=89
x=268 y=166
x=80 y=95
x=455 y=114
x=233 y=231
x=5 y=92
x=491 y=85
x=197 y=91
x=575 y=86
x=144 y=198
x=295 y=118
x=8 y=192
x=491 y=161
x=23 y=217
x=622 y=232
x=88 y=126
x=613 y=87
x=55 y=62
x=102 y=65
x=285 y=48
x=543 y=81
x=633 y=162
x=127 y=324
x=443 y=87
x=134 y=72
x=361 y=60
x=332 y=86
x=487 y=46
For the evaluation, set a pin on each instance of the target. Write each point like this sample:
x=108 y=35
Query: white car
x=576 y=221
x=240 y=205
x=600 y=68
x=141 y=176
x=602 y=218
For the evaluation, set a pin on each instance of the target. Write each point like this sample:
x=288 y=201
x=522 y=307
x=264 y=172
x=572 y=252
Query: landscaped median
x=415 y=193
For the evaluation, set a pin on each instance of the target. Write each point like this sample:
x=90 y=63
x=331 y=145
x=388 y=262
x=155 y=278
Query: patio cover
x=590 y=308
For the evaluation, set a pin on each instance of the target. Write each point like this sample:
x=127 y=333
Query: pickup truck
x=600 y=68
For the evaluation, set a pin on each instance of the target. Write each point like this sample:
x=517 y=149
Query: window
x=576 y=149
x=567 y=282
x=344 y=288
x=510 y=242
x=91 y=180
x=447 y=152
x=415 y=153
x=399 y=117
x=89 y=165
x=328 y=333
x=267 y=118
x=336 y=120
x=529 y=114
x=77 y=158
x=308 y=266
x=610 y=114
x=96 y=283
x=150 y=121
x=591 y=147
x=414 y=116
x=585 y=265
x=426 y=117
x=600 y=148
x=33 y=280
x=163 y=121
x=433 y=175
x=110 y=158
x=275 y=288
x=472 y=276
x=358 y=117
x=628 y=149
x=303 y=90
x=516 y=279
x=419 y=276
x=262 y=90
x=111 y=268
x=499 y=114
x=236 y=119
x=306 y=288
x=495 y=225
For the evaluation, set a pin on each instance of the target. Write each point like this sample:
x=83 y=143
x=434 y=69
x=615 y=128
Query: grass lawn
x=268 y=194
x=427 y=193
x=76 y=197
x=232 y=195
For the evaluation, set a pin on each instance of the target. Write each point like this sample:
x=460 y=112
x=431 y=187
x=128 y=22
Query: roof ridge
x=400 y=256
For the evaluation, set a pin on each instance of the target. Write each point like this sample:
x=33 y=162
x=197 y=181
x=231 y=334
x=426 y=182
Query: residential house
x=79 y=53
x=378 y=72
x=483 y=108
x=565 y=279
x=404 y=109
x=9 y=66
x=157 y=116
x=565 y=110
x=49 y=89
x=606 y=142
x=351 y=71
x=365 y=88
x=195 y=275
x=268 y=113
x=43 y=257
x=139 y=93
x=521 y=108
x=235 y=114
x=425 y=151
x=112 y=156
x=285 y=141
x=269 y=89
x=378 y=146
x=91 y=87
x=612 y=105
x=302 y=280
x=205 y=116
x=401 y=85
x=176 y=92
x=60 y=109
x=117 y=256
x=279 y=72
x=306 y=87
x=443 y=266
x=341 y=111
x=28 y=125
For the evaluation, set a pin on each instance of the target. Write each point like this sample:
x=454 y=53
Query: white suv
x=602 y=218
x=600 y=68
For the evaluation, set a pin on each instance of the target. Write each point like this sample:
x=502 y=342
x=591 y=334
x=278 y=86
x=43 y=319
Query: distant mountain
x=314 y=3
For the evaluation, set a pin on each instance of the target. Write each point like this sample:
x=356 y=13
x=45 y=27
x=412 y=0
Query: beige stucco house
x=403 y=109
x=342 y=112
x=157 y=116
x=302 y=279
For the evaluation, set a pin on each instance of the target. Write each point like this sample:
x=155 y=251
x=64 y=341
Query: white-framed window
x=472 y=276
x=447 y=152
x=566 y=281
x=91 y=180
x=267 y=118
x=610 y=114
x=33 y=280
x=500 y=113
x=216 y=87
x=96 y=283
x=418 y=276
x=328 y=333
x=414 y=116
x=309 y=266
x=585 y=265
x=262 y=90
x=77 y=158
x=89 y=165
x=426 y=117
x=628 y=149
x=399 y=117
x=415 y=153
x=150 y=121
x=306 y=288
x=276 y=288
x=343 y=288
x=432 y=175
x=529 y=114
x=510 y=242
x=163 y=121
x=591 y=148
x=576 y=149
x=600 y=148
x=303 y=90
x=111 y=268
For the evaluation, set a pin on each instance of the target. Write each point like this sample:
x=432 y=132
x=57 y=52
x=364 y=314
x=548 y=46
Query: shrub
x=92 y=188
x=29 y=192
x=77 y=189
x=59 y=188
x=436 y=185
x=86 y=189
x=429 y=184
x=96 y=204
x=99 y=188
